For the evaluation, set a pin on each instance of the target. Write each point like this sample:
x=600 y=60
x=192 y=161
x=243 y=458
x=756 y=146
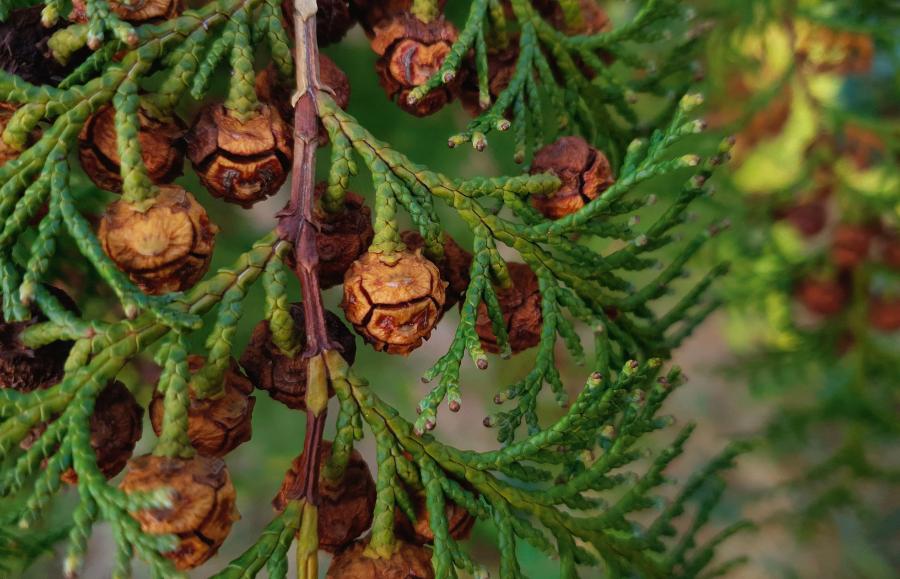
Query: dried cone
x=203 y=503
x=24 y=369
x=271 y=91
x=407 y=562
x=807 y=217
x=116 y=426
x=584 y=171
x=240 y=161
x=850 y=245
x=829 y=50
x=7 y=153
x=342 y=237
x=459 y=522
x=137 y=11
x=24 y=50
x=218 y=425
x=393 y=301
x=371 y=13
x=593 y=18
x=411 y=51
x=284 y=377
x=163 y=249
x=333 y=20
x=454 y=266
x=162 y=148
x=521 y=307
x=822 y=295
x=346 y=506
x=884 y=313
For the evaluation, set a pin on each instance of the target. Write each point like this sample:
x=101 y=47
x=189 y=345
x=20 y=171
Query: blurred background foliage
x=822 y=391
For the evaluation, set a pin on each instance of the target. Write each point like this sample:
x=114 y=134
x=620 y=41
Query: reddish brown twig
x=297 y=226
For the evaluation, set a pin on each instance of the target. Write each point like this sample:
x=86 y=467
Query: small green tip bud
x=479 y=141
x=448 y=76
x=503 y=125
x=690 y=160
x=456 y=140
x=413 y=97
x=690 y=101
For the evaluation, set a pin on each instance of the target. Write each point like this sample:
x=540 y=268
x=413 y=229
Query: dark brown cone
x=407 y=562
x=24 y=369
x=459 y=522
x=593 y=18
x=454 y=266
x=884 y=313
x=162 y=148
x=584 y=171
x=341 y=238
x=890 y=250
x=393 y=301
x=138 y=11
x=164 y=249
x=24 y=51
x=7 y=153
x=371 y=13
x=116 y=426
x=501 y=66
x=822 y=295
x=283 y=377
x=521 y=307
x=345 y=506
x=850 y=245
x=333 y=20
x=216 y=426
x=241 y=162
x=807 y=217
x=203 y=508
x=410 y=52
x=271 y=91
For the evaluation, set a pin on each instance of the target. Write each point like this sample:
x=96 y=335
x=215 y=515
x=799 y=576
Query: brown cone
x=24 y=369
x=393 y=301
x=7 y=153
x=162 y=148
x=371 y=13
x=454 y=266
x=283 y=377
x=830 y=50
x=138 y=11
x=850 y=245
x=823 y=295
x=410 y=52
x=164 y=249
x=116 y=426
x=808 y=217
x=459 y=522
x=341 y=238
x=584 y=171
x=216 y=426
x=203 y=504
x=241 y=162
x=521 y=307
x=345 y=506
x=407 y=562
x=593 y=18
x=24 y=50
x=884 y=313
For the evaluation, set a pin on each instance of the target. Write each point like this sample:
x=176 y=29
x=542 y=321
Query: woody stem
x=297 y=226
